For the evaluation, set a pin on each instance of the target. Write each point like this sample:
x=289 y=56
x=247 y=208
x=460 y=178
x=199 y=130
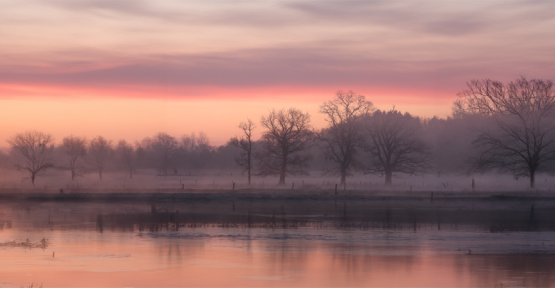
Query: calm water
x=78 y=254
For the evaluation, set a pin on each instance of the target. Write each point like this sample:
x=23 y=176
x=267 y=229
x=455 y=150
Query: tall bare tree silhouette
x=518 y=135
x=395 y=144
x=75 y=148
x=245 y=143
x=289 y=134
x=36 y=149
x=100 y=149
x=344 y=135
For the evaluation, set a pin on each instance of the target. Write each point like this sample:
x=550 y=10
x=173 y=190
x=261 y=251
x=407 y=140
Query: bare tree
x=189 y=142
x=289 y=134
x=195 y=143
x=344 y=136
x=36 y=148
x=519 y=132
x=165 y=147
x=203 y=143
x=100 y=149
x=128 y=156
x=75 y=148
x=395 y=144
x=245 y=143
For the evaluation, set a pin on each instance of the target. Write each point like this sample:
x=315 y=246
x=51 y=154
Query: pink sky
x=129 y=69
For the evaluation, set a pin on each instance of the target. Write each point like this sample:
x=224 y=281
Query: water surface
x=144 y=251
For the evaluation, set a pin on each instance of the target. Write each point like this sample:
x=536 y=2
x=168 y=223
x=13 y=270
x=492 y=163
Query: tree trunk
x=281 y=178
x=33 y=179
x=283 y=170
x=249 y=166
x=532 y=179
x=343 y=176
x=72 y=174
x=130 y=173
x=388 y=176
x=166 y=164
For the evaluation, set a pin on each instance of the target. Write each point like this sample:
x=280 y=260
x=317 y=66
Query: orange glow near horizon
x=118 y=114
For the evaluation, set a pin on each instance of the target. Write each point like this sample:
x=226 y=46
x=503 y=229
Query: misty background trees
x=75 y=149
x=163 y=148
x=495 y=127
x=128 y=156
x=100 y=149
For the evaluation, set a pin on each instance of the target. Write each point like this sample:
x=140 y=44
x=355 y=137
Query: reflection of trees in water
x=5 y=225
x=345 y=263
x=515 y=270
x=361 y=264
x=286 y=254
x=492 y=214
x=171 y=251
x=175 y=251
x=350 y=259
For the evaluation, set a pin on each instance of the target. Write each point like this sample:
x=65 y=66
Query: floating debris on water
x=42 y=244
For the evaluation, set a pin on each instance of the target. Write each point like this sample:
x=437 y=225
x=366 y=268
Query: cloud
x=425 y=16
x=270 y=68
x=137 y=7
x=241 y=13
x=453 y=18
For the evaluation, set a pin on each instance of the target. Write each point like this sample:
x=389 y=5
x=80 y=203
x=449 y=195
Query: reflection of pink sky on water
x=90 y=259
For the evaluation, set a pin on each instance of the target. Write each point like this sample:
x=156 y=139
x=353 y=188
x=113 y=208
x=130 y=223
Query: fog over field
x=148 y=181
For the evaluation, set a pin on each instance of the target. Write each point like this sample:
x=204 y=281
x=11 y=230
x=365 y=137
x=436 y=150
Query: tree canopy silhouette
x=36 y=149
x=343 y=136
x=395 y=144
x=518 y=135
x=288 y=136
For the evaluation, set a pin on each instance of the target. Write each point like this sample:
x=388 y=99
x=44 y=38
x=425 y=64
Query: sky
x=129 y=69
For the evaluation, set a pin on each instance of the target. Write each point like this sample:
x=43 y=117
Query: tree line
x=35 y=152
x=494 y=126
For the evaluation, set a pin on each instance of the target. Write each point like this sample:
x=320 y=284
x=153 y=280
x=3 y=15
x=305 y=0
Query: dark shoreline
x=493 y=211
x=185 y=195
